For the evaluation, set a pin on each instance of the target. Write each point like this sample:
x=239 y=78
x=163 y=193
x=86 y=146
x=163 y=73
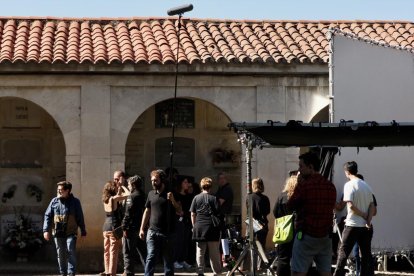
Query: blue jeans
x=310 y=249
x=66 y=254
x=159 y=243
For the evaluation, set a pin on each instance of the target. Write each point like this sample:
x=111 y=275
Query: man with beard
x=160 y=210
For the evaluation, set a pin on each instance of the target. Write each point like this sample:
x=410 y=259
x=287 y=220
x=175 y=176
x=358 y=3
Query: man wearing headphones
x=160 y=210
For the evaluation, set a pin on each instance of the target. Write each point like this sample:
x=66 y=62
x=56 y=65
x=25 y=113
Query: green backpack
x=283 y=231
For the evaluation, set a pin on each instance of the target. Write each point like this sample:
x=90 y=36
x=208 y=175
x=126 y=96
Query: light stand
x=253 y=246
x=175 y=11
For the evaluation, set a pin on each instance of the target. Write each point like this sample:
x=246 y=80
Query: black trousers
x=350 y=236
x=284 y=254
x=133 y=248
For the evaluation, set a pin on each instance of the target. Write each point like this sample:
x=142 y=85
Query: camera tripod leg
x=255 y=250
x=239 y=260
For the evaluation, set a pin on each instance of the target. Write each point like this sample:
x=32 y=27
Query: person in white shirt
x=360 y=204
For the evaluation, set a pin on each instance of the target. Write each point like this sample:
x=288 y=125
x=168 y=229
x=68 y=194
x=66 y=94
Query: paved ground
x=158 y=274
x=180 y=273
x=378 y=273
x=45 y=269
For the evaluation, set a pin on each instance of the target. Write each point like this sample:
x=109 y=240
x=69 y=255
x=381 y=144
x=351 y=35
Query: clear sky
x=221 y=9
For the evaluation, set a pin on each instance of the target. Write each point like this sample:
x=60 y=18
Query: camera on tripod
x=236 y=241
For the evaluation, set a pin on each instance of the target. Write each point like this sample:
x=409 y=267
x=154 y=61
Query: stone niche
x=32 y=161
x=204 y=145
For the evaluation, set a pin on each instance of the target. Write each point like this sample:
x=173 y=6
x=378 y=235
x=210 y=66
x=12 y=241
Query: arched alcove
x=204 y=146
x=32 y=161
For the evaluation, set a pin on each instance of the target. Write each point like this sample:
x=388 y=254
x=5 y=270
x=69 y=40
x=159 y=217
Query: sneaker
x=177 y=265
x=185 y=265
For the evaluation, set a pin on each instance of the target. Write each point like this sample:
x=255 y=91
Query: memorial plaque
x=184 y=152
x=21 y=114
x=22 y=153
x=184 y=114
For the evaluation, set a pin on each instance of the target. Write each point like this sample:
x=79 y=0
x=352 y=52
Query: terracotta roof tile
x=200 y=47
x=138 y=47
x=208 y=41
x=7 y=42
x=73 y=42
x=33 y=51
x=20 y=46
x=125 y=45
x=154 y=53
x=154 y=40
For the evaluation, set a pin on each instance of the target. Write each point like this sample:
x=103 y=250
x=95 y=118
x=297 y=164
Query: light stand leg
x=250 y=247
x=249 y=150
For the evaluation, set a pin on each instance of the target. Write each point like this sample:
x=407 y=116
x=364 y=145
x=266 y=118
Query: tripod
x=252 y=246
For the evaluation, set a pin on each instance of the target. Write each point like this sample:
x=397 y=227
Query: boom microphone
x=180 y=10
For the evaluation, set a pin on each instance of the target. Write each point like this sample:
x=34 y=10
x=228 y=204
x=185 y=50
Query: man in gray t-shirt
x=359 y=199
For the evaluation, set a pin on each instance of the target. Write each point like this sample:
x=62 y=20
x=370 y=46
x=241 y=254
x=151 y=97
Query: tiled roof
x=154 y=40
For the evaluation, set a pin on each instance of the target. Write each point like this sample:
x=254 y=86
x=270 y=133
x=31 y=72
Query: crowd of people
x=312 y=199
x=181 y=221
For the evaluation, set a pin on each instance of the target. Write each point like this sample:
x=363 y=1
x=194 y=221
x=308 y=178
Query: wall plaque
x=184 y=151
x=21 y=153
x=184 y=114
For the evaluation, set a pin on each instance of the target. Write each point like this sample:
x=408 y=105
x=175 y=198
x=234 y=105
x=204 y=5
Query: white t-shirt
x=360 y=193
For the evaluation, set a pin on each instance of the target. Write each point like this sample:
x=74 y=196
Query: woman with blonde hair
x=284 y=251
x=112 y=195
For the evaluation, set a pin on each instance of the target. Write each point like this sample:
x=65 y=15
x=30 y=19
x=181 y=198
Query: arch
x=134 y=102
x=204 y=148
x=25 y=118
x=63 y=106
x=32 y=160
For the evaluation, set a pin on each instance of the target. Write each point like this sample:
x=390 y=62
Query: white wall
x=375 y=83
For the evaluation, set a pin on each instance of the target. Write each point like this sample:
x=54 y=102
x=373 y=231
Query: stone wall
x=102 y=116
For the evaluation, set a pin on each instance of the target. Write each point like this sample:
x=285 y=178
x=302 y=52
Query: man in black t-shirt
x=160 y=210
